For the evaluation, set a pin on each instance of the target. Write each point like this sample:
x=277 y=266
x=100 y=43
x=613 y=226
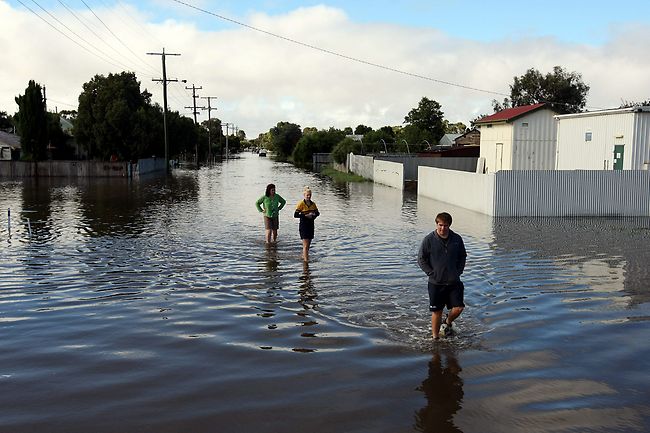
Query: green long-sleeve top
x=270 y=206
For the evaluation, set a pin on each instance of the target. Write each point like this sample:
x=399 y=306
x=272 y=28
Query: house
x=617 y=139
x=447 y=140
x=469 y=138
x=519 y=138
x=9 y=146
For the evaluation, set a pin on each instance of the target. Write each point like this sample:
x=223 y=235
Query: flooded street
x=154 y=305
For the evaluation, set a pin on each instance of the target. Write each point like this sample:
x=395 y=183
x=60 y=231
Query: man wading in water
x=442 y=257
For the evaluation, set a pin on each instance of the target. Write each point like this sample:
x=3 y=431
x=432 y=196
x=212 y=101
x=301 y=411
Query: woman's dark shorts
x=271 y=223
x=450 y=296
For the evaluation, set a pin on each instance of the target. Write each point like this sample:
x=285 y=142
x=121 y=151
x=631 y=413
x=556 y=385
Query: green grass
x=339 y=176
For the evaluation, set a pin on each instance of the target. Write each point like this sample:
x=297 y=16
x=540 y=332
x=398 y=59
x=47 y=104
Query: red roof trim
x=510 y=113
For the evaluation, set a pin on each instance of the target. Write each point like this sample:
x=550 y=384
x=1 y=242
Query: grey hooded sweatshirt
x=443 y=263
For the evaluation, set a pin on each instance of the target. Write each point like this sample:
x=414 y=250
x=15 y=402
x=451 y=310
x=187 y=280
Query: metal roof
x=510 y=113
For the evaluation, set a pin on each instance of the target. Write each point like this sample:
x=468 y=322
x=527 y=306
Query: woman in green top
x=270 y=204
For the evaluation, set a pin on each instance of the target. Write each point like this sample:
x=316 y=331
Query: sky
x=323 y=64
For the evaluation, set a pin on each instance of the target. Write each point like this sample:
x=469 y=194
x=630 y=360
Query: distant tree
x=68 y=114
x=428 y=116
x=6 y=121
x=362 y=130
x=309 y=130
x=344 y=147
x=284 y=137
x=418 y=139
x=110 y=118
x=241 y=134
x=563 y=91
x=454 y=128
x=317 y=142
x=182 y=135
x=373 y=141
x=31 y=121
x=630 y=104
x=348 y=130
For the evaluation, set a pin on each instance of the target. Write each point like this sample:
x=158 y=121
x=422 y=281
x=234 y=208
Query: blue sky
x=260 y=80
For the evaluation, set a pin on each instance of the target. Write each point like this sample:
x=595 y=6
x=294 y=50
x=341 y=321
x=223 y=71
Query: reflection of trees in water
x=443 y=389
x=37 y=206
x=121 y=206
x=621 y=243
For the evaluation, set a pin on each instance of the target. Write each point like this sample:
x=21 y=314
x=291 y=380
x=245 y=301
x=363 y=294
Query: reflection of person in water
x=443 y=389
x=307 y=292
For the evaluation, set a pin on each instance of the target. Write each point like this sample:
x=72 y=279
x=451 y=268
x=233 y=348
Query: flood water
x=155 y=306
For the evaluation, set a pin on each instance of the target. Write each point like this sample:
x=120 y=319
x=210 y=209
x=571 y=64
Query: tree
x=362 y=130
x=630 y=104
x=345 y=146
x=6 y=121
x=32 y=122
x=113 y=116
x=284 y=137
x=563 y=91
x=428 y=116
x=454 y=128
x=317 y=142
x=373 y=141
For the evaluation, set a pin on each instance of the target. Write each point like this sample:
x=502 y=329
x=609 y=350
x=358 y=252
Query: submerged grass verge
x=339 y=176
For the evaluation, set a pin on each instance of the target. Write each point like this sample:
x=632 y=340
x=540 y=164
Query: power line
x=334 y=53
x=116 y=37
x=67 y=36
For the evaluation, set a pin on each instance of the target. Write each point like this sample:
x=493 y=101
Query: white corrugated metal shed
x=604 y=140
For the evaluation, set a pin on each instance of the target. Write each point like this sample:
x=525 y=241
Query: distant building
x=519 y=138
x=447 y=140
x=617 y=139
x=470 y=138
x=9 y=146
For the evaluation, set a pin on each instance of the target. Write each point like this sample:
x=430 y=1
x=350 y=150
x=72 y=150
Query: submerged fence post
x=9 y=221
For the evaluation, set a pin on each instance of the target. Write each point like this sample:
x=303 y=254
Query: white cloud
x=260 y=80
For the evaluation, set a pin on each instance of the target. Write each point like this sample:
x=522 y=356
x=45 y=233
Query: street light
x=407 y=146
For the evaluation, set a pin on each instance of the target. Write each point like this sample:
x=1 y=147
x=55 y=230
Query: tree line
x=115 y=119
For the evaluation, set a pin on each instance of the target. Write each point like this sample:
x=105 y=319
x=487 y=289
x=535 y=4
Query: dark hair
x=444 y=217
x=269 y=187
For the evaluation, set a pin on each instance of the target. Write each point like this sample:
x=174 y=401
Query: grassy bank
x=339 y=176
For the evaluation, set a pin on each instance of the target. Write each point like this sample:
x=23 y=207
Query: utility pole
x=226 y=124
x=196 y=145
x=209 y=108
x=164 y=81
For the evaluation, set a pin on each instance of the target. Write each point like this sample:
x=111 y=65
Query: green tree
x=563 y=91
x=362 y=130
x=6 y=121
x=630 y=104
x=110 y=118
x=32 y=122
x=454 y=128
x=284 y=137
x=428 y=117
x=345 y=146
x=317 y=142
x=373 y=141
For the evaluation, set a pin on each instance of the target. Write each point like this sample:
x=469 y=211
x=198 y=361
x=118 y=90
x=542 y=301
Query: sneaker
x=445 y=329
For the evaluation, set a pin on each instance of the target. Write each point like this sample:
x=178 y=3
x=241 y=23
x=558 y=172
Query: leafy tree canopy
x=317 y=142
x=629 y=104
x=565 y=92
x=362 y=130
x=428 y=116
x=31 y=121
x=284 y=137
x=6 y=121
x=113 y=118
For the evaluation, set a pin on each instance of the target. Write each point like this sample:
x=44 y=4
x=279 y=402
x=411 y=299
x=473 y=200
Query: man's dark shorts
x=441 y=296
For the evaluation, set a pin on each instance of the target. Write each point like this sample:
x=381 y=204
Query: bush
x=345 y=146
